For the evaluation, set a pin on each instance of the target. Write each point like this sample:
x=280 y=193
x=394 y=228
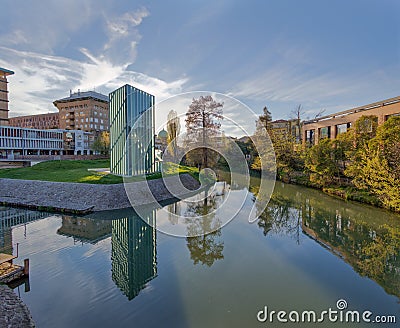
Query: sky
x=323 y=54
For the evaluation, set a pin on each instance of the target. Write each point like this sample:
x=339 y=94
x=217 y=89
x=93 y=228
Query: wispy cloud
x=40 y=79
x=42 y=76
x=123 y=35
x=286 y=84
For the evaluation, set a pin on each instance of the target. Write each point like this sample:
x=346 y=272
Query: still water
x=110 y=269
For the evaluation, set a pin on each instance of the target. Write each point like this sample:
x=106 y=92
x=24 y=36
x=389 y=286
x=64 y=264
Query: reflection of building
x=332 y=125
x=11 y=217
x=133 y=255
x=85 y=229
x=40 y=121
x=4 y=95
x=87 y=111
x=127 y=105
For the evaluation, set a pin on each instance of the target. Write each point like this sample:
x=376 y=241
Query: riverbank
x=342 y=192
x=13 y=312
x=83 y=198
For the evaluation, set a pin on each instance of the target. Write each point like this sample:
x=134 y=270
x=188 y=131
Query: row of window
x=30 y=144
x=91 y=126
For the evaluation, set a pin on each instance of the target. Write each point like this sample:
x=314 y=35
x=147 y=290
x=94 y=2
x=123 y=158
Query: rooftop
x=5 y=72
x=355 y=110
x=83 y=95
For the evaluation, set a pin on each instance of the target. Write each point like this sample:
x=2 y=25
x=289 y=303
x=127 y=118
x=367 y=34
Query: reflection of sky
x=71 y=283
x=239 y=119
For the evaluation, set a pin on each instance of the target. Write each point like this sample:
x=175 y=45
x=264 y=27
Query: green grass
x=77 y=171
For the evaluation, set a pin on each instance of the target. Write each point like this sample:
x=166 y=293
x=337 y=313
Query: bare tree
x=320 y=113
x=203 y=122
x=297 y=115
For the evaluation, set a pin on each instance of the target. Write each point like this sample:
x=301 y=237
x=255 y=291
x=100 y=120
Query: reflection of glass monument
x=133 y=254
x=132 y=122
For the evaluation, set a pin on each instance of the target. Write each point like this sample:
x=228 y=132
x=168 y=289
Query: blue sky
x=323 y=54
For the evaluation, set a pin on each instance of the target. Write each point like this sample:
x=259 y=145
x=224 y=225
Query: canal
x=306 y=252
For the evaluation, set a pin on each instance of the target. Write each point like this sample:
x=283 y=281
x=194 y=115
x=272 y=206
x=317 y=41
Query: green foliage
x=375 y=165
x=321 y=162
x=102 y=143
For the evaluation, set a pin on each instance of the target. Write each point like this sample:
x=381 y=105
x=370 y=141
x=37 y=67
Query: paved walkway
x=13 y=312
x=83 y=197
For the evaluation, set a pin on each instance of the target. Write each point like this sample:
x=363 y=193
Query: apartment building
x=86 y=111
x=4 y=95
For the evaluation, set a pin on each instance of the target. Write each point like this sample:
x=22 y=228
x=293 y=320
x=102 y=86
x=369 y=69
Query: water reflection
x=205 y=248
x=133 y=245
x=359 y=234
x=85 y=230
x=133 y=255
x=13 y=217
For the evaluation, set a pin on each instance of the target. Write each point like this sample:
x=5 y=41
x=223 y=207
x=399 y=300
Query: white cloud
x=40 y=79
x=287 y=84
x=123 y=35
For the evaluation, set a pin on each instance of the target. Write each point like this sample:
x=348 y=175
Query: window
x=324 y=132
x=341 y=128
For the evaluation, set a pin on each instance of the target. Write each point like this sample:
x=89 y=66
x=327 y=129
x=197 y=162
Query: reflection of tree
x=280 y=217
x=380 y=258
x=205 y=246
x=372 y=249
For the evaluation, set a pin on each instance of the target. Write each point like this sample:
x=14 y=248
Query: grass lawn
x=77 y=171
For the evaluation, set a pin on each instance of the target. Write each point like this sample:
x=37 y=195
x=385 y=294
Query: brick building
x=4 y=95
x=40 y=121
x=332 y=125
x=87 y=111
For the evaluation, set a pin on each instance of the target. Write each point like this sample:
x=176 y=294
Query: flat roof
x=80 y=95
x=6 y=71
x=355 y=110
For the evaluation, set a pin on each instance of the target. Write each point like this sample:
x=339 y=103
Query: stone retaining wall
x=13 y=312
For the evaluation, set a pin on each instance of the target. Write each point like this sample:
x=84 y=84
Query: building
x=133 y=253
x=40 y=121
x=15 y=141
x=286 y=128
x=332 y=125
x=161 y=141
x=4 y=95
x=86 y=111
x=132 y=131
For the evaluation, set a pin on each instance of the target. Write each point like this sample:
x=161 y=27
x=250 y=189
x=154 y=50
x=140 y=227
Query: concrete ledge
x=83 y=198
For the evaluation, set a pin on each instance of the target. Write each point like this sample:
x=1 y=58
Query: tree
x=320 y=162
x=173 y=129
x=375 y=165
x=365 y=129
x=102 y=143
x=297 y=114
x=265 y=119
x=203 y=123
